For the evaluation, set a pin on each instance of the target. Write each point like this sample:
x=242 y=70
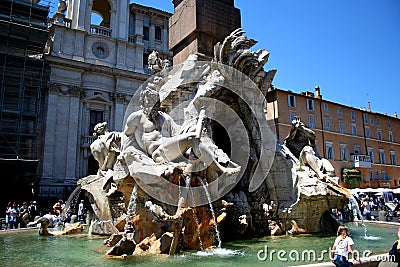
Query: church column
x=164 y=37
x=139 y=51
x=85 y=120
x=138 y=65
x=119 y=111
x=139 y=29
x=151 y=34
x=58 y=37
x=121 y=55
x=78 y=14
x=89 y=15
x=49 y=138
x=123 y=20
x=73 y=143
x=114 y=23
x=85 y=132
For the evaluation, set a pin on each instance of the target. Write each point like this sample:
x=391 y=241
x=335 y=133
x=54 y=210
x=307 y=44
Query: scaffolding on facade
x=23 y=35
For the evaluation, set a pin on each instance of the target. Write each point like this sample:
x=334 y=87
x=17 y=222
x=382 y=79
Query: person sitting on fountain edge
x=342 y=247
x=395 y=250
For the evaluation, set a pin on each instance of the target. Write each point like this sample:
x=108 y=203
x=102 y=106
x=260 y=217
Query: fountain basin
x=86 y=250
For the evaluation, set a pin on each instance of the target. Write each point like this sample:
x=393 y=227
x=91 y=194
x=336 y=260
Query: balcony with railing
x=381 y=178
x=99 y=30
x=86 y=141
x=131 y=38
x=361 y=161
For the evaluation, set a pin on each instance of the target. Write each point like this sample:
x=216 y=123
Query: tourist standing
x=23 y=215
x=8 y=208
x=58 y=207
x=367 y=209
x=381 y=201
x=81 y=212
x=342 y=247
x=13 y=213
x=32 y=210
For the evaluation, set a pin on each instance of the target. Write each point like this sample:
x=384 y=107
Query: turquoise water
x=29 y=249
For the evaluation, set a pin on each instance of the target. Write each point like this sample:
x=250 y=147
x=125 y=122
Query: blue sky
x=350 y=48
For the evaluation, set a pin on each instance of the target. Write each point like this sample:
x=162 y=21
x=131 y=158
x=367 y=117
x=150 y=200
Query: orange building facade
x=350 y=138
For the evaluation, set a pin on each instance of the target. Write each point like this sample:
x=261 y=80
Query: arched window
x=96 y=19
x=101 y=13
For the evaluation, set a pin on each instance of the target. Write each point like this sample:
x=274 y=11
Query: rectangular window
x=339 y=112
x=353 y=129
x=327 y=125
x=291 y=101
x=95 y=118
x=371 y=154
x=353 y=115
x=329 y=150
x=357 y=149
x=371 y=174
x=341 y=127
x=365 y=118
x=311 y=122
x=343 y=152
x=390 y=136
x=367 y=132
x=382 y=156
x=393 y=157
x=389 y=124
x=292 y=116
x=146 y=33
x=371 y=119
x=378 y=121
x=157 y=33
x=310 y=104
x=145 y=60
x=379 y=135
x=326 y=110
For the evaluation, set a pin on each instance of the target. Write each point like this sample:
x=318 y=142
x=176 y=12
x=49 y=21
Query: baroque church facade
x=94 y=69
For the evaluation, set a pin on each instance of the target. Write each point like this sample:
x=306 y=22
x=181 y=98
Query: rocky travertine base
x=156 y=232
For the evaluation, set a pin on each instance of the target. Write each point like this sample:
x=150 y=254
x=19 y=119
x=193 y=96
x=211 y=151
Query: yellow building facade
x=350 y=138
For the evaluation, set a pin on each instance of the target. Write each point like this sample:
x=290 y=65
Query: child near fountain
x=342 y=247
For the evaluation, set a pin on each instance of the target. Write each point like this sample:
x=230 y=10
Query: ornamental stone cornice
x=84 y=66
x=121 y=98
x=65 y=89
x=97 y=100
x=150 y=12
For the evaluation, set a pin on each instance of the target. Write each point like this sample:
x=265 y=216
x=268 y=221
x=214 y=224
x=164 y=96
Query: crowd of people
x=363 y=208
x=20 y=215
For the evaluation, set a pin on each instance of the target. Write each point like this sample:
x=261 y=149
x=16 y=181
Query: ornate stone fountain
x=197 y=161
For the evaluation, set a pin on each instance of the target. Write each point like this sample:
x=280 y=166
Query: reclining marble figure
x=301 y=142
x=154 y=137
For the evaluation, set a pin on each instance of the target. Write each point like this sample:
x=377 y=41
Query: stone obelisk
x=197 y=25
